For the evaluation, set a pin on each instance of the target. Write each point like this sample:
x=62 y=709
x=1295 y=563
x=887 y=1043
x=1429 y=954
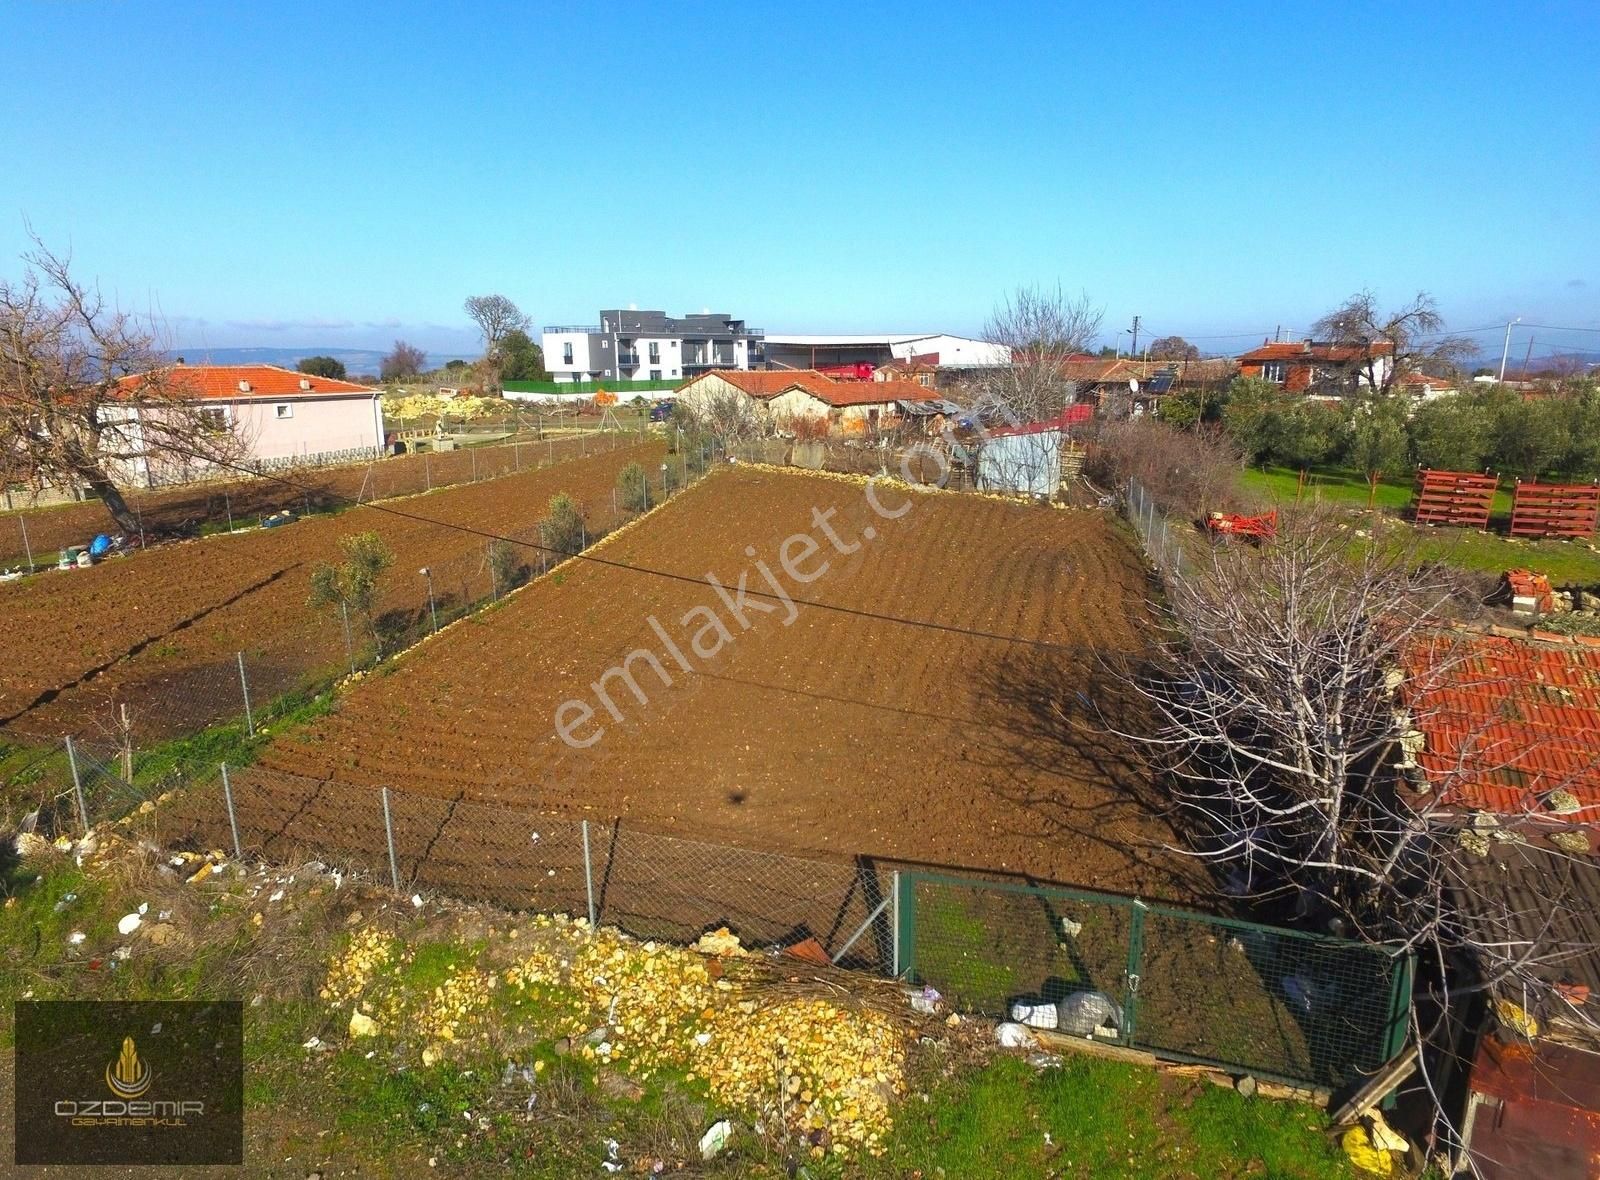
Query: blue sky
x=307 y=174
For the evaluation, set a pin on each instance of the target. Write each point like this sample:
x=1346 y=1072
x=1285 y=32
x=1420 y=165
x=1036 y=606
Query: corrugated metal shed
x=1534 y=1112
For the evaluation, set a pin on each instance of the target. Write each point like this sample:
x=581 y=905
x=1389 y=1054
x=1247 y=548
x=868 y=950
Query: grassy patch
x=1095 y=1118
x=1568 y=563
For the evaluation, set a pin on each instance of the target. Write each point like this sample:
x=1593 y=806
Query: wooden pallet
x=1461 y=499
x=1555 y=510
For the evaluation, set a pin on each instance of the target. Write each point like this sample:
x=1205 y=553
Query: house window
x=1272 y=371
x=655 y=353
x=655 y=374
x=214 y=420
x=566 y=353
x=283 y=411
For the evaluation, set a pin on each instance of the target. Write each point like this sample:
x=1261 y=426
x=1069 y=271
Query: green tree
x=1376 y=443
x=563 y=528
x=1246 y=415
x=1301 y=433
x=1173 y=348
x=520 y=358
x=322 y=366
x=1527 y=438
x=1451 y=433
x=351 y=587
x=1580 y=412
x=404 y=361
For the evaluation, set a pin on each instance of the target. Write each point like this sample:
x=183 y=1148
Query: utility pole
x=1134 y=351
x=1505 y=349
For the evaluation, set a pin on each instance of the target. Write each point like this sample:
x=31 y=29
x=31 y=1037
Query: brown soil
x=245 y=501
x=159 y=631
x=979 y=742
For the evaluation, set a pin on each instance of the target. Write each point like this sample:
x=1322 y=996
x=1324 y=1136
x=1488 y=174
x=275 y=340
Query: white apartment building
x=637 y=345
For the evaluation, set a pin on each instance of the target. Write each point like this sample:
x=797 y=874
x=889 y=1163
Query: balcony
x=627 y=358
x=589 y=328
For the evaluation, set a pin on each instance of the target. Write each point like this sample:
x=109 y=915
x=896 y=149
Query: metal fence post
x=905 y=927
x=427 y=470
x=244 y=690
x=516 y=456
x=1130 y=1006
x=588 y=874
x=473 y=453
x=26 y=546
x=894 y=923
x=388 y=833
x=77 y=785
x=227 y=504
x=233 y=823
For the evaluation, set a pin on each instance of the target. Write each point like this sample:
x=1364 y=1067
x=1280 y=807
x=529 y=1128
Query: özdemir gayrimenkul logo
x=127 y=1076
x=129 y=1082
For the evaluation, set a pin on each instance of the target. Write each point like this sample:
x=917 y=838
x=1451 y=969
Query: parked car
x=662 y=410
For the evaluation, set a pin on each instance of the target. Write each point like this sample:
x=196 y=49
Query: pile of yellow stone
x=798 y=1064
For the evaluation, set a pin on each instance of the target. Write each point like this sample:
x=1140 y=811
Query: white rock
x=362 y=1025
x=76 y=937
x=129 y=923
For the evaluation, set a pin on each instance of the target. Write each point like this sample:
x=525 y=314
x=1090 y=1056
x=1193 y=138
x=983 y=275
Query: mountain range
x=357 y=361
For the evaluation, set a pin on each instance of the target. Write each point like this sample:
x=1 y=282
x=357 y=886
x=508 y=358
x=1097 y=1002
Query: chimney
x=305 y=383
x=244 y=387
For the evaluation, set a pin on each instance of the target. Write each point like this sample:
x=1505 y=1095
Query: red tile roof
x=221 y=383
x=1315 y=350
x=1507 y=721
x=766 y=383
x=869 y=393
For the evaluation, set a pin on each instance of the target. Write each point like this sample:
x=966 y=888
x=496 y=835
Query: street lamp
x=433 y=611
x=1505 y=349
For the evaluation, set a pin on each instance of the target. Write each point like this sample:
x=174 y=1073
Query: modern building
x=282 y=418
x=634 y=345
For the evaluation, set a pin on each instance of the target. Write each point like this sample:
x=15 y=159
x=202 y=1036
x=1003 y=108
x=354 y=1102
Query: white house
x=281 y=417
x=634 y=345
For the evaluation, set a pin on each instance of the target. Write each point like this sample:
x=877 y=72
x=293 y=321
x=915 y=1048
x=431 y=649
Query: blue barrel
x=99 y=546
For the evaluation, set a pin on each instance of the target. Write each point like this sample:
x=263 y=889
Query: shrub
x=352 y=585
x=633 y=488
x=1188 y=472
x=505 y=566
x=563 y=528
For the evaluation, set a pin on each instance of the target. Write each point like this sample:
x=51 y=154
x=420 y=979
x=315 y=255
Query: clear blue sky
x=306 y=174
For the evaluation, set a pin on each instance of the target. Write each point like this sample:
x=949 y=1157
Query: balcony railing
x=627 y=358
x=594 y=328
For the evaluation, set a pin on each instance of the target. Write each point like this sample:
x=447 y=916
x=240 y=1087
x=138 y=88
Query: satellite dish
x=1133 y=385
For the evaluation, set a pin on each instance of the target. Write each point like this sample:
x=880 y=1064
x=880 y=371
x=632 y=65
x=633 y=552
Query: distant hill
x=355 y=360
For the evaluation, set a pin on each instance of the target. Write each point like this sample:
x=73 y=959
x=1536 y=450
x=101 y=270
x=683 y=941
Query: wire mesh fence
x=1279 y=1004
x=172 y=669
x=32 y=536
x=1163 y=544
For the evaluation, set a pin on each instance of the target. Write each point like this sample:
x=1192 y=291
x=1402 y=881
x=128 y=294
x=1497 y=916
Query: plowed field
x=243 y=501
x=159 y=631
x=938 y=701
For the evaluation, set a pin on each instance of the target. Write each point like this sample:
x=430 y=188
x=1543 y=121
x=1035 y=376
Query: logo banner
x=136 y=1082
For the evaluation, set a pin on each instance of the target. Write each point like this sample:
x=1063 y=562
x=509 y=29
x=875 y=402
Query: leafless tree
x=1185 y=472
x=86 y=396
x=1042 y=328
x=728 y=416
x=1414 y=333
x=403 y=361
x=1288 y=708
x=497 y=317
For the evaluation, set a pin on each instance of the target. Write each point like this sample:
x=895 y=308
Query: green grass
x=1096 y=1118
x=1568 y=563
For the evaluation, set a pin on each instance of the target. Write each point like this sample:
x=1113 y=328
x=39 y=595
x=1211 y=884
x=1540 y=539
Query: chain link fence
x=1279 y=1004
x=31 y=537
x=1163 y=543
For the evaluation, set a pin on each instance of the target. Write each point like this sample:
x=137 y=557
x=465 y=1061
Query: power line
x=856 y=612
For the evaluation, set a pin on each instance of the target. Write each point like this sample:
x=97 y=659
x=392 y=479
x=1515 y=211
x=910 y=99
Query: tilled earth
x=943 y=694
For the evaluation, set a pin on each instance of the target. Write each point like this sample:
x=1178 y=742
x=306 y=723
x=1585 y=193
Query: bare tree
x=1414 y=336
x=728 y=416
x=497 y=317
x=1291 y=706
x=86 y=396
x=1042 y=329
x=403 y=361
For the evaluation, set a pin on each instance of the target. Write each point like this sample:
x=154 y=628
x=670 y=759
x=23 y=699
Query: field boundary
x=1283 y=1005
